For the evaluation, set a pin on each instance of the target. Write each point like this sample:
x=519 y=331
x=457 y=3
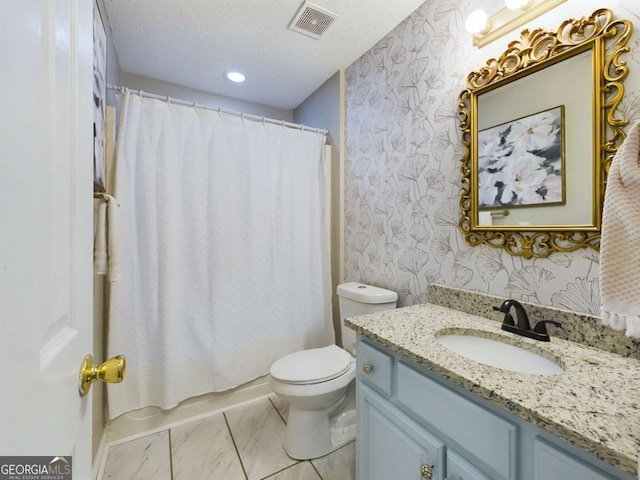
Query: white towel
x=112 y=245
x=620 y=243
x=105 y=239
x=99 y=236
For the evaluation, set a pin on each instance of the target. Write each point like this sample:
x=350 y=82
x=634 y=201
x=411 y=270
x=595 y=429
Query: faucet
x=521 y=314
x=523 y=327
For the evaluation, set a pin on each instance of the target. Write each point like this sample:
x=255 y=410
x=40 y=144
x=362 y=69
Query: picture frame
x=521 y=162
x=587 y=53
x=99 y=98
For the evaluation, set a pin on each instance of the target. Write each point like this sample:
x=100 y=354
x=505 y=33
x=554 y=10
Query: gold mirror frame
x=534 y=51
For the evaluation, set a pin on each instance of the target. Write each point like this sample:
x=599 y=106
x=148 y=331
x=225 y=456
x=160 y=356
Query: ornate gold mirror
x=540 y=130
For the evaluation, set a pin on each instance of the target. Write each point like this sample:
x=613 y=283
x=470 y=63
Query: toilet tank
x=359 y=299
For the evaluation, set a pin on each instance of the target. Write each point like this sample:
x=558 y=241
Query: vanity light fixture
x=515 y=4
x=515 y=14
x=477 y=22
x=236 y=77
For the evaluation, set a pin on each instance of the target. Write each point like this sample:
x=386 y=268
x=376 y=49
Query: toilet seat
x=316 y=365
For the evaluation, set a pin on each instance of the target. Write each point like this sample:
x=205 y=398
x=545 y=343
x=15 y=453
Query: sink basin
x=499 y=354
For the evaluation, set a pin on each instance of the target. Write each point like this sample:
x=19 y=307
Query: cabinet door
x=392 y=446
x=459 y=469
x=552 y=463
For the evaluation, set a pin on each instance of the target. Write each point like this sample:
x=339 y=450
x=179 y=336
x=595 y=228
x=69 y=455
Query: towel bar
x=502 y=213
x=101 y=195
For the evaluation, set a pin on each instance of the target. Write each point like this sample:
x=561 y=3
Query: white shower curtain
x=224 y=255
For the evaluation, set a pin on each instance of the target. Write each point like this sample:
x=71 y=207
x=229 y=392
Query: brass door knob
x=426 y=471
x=111 y=371
x=367 y=368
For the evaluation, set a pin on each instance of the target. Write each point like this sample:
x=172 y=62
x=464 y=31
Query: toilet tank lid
x=362 y=293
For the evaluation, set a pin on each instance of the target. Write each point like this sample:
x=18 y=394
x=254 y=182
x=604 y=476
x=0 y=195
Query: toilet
x=319 y=383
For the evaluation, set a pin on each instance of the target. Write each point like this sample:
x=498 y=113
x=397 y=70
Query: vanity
x=425 y=411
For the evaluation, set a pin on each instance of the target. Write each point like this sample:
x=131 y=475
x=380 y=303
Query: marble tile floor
x=242 y=443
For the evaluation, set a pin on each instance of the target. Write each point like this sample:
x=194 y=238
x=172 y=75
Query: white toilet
x=318 y=383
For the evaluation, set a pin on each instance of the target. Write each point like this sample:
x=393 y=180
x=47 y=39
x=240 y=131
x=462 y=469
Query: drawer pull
x=367 y=368
x=426 y=471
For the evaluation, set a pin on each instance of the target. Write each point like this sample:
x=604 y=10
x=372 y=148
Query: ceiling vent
x=312 y=20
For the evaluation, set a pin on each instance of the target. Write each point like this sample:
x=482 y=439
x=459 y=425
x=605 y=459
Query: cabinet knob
x=426 y=471
x=367 y=368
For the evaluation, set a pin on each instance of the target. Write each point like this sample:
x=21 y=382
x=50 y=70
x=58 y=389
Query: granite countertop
x=594 y=404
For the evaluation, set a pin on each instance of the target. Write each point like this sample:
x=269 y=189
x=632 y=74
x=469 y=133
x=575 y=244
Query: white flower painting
x=521 y=163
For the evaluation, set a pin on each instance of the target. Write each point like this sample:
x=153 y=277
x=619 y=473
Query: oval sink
x=499 y=354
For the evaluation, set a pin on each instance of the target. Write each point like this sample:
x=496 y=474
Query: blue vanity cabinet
x=391 y=445
x=460 y=469
x=552 y=463
x=413 y=424
x=485 y=438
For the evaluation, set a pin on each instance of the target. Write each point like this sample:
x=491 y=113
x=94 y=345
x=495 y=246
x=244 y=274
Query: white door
x=46 y=231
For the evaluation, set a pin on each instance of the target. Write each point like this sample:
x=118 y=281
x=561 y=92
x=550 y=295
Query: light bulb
x=515 y=4
x=235 y=77
x=476 y=21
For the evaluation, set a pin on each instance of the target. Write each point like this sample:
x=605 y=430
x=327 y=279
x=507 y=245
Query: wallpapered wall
x=403 y=151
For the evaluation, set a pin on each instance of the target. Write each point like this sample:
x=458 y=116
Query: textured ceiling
x=192 y=42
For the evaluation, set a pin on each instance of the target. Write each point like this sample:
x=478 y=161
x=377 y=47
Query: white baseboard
x=149 y=420
x=97 y=465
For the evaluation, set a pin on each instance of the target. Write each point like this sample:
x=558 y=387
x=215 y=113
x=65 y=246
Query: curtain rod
x=168 y=99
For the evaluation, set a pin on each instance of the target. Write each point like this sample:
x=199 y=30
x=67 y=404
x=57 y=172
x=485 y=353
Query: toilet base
x=314 y=434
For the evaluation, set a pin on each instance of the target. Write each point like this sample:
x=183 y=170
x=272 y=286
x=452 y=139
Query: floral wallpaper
x=403 y=150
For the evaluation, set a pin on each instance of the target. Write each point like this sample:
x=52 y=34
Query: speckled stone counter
x=594 y=404
x=577 y=327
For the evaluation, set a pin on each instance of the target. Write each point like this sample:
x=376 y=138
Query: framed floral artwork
x=99 y=98
x=521 y=162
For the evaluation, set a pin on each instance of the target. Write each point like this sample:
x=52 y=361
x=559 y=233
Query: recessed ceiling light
x=235 y=76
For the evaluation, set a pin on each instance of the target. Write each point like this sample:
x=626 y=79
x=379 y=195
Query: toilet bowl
x=314 y=399
x=319 y=383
